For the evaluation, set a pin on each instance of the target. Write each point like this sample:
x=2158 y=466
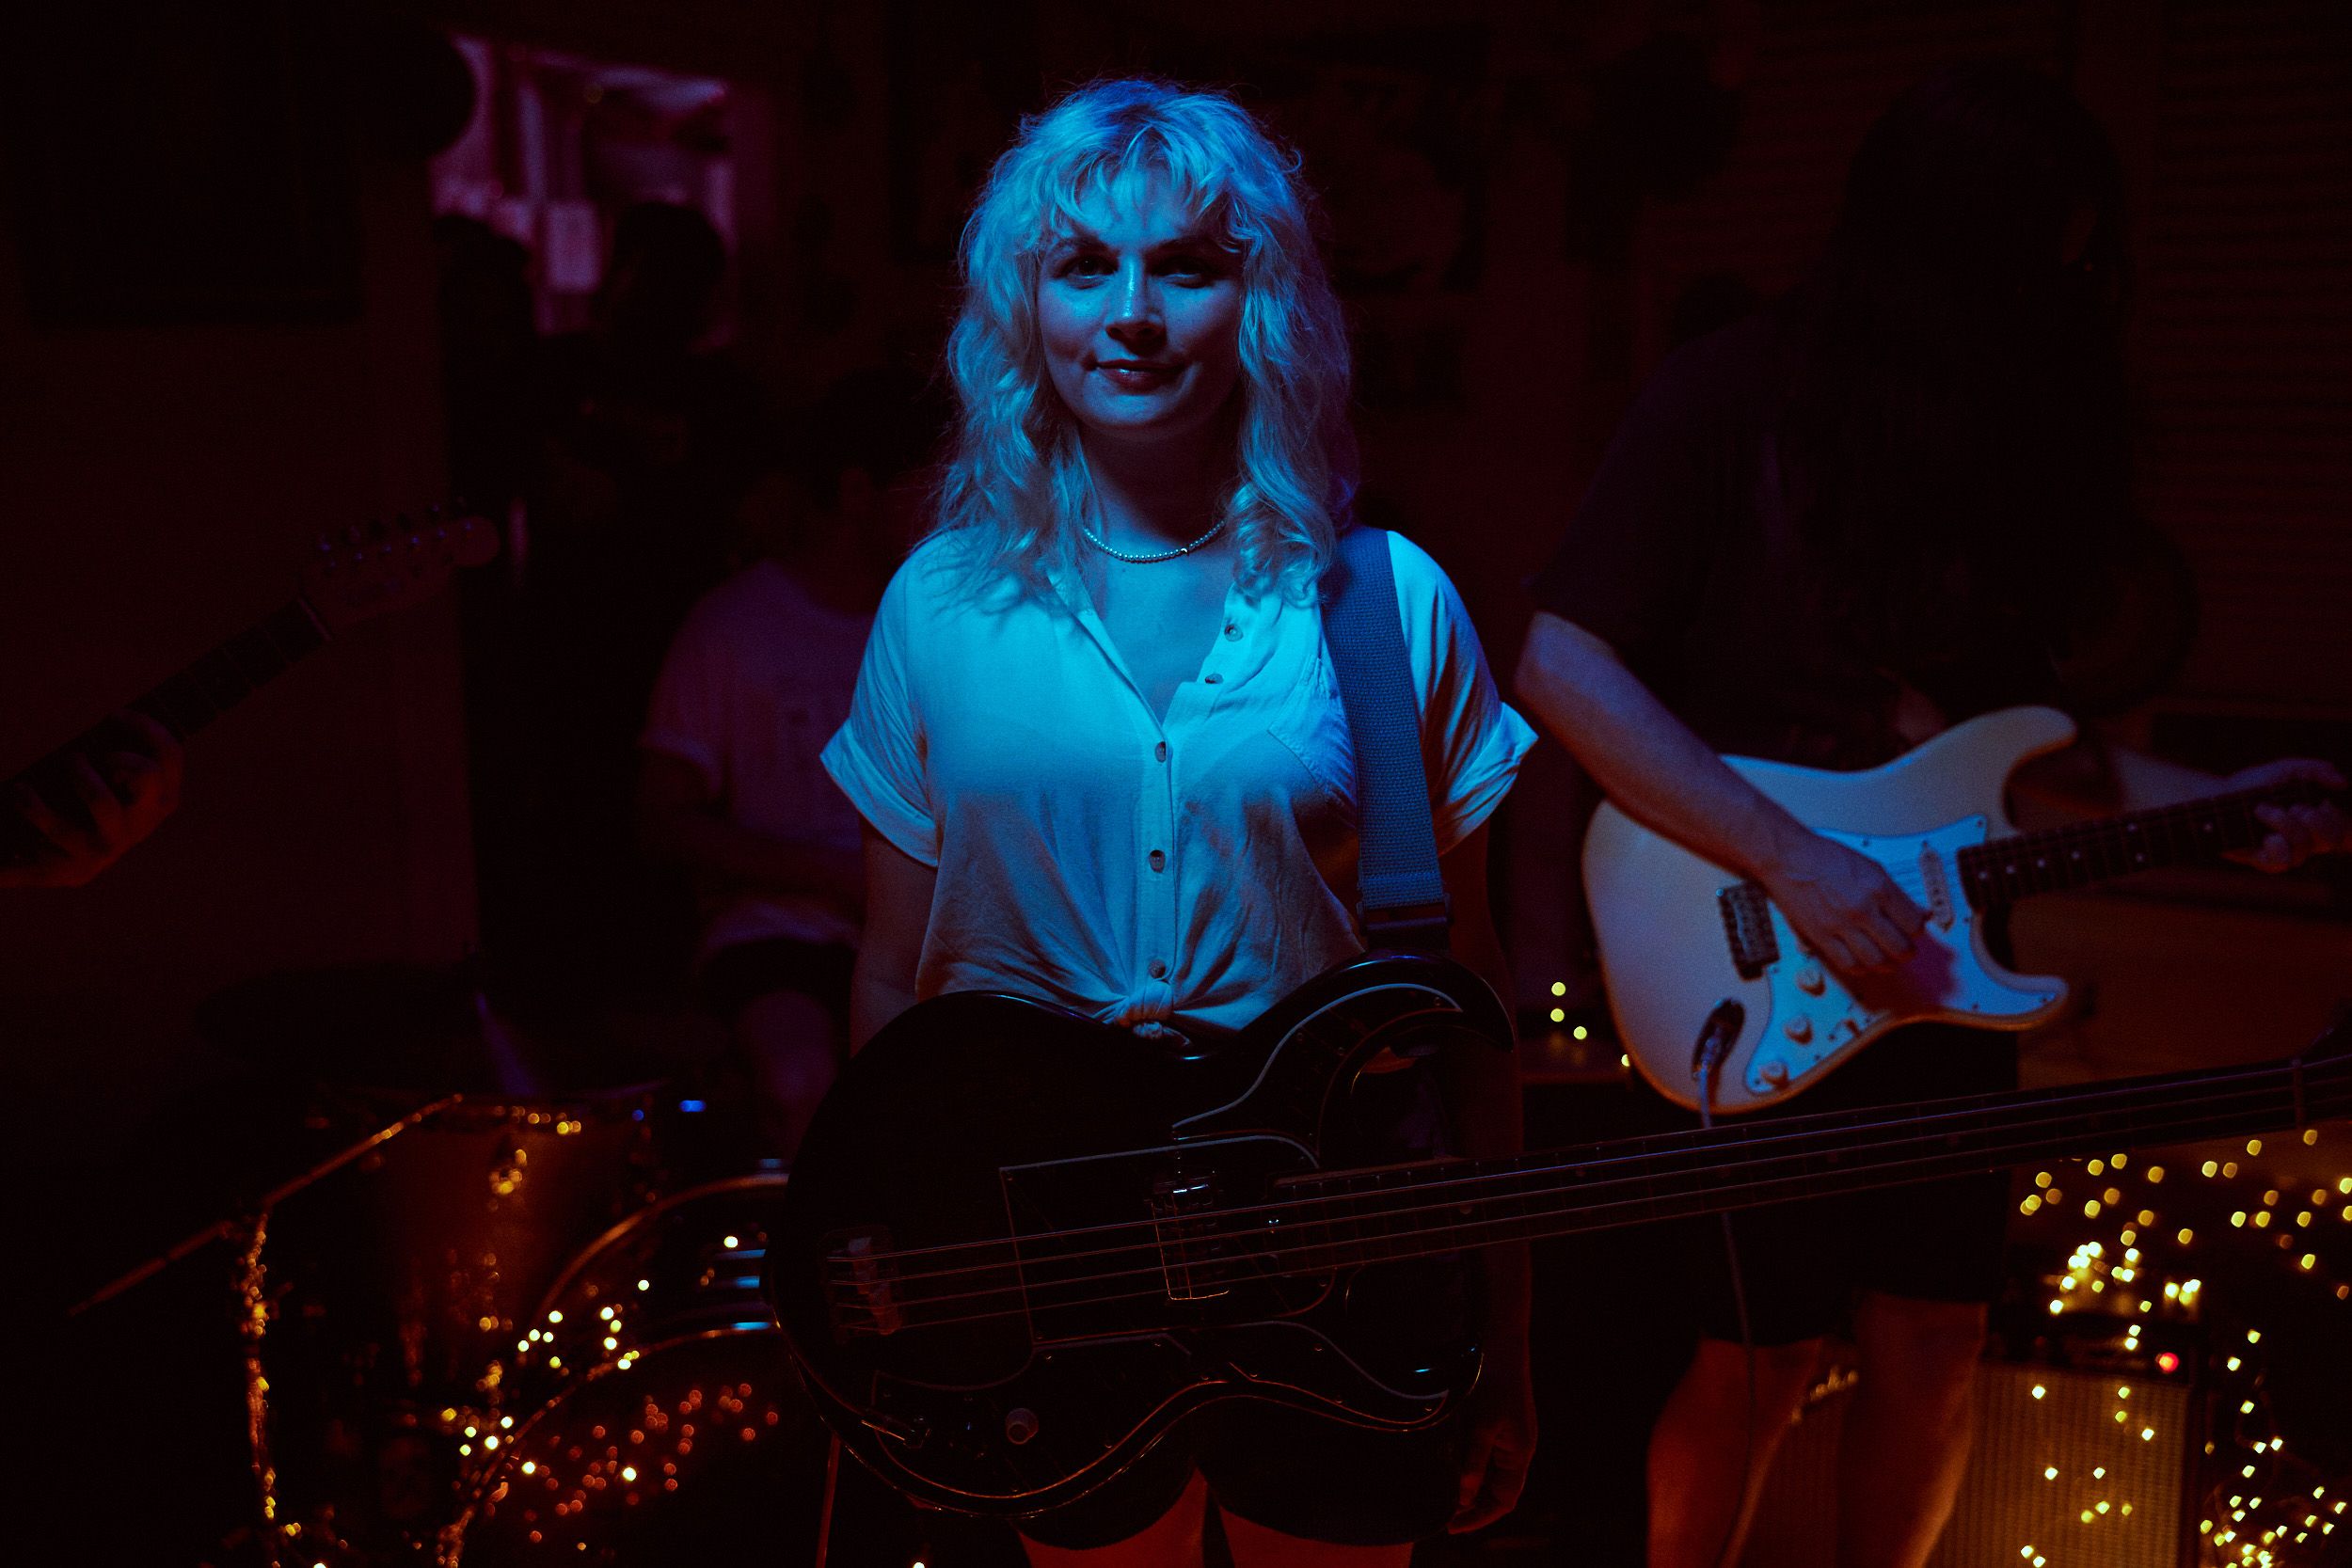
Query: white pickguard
x=1659 y=919
x=1813 y=1015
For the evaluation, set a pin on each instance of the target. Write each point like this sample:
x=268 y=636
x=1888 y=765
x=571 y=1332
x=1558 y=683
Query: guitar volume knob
x=1797 y=1027
x=1020 y=1425
x=1810 y=980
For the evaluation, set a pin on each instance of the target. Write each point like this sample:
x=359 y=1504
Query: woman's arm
x=899 y=892
x=1657 y=771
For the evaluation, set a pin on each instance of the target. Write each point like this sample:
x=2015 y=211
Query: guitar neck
x=207 y=688
x=1413 y=1212
x=2084 y=853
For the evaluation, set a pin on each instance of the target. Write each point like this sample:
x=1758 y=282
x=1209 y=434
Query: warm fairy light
x=2254 y=1145
x=2155 y=1173
x=1580 y=1032
x=2039 y=1390
x=1559 y=1015
x=2096 y=1167
x=2041 y=1179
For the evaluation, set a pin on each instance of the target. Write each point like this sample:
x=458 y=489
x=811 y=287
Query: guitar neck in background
x=185 y=703
x=2082 y=853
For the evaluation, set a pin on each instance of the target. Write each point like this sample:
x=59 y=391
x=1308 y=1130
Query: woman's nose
x=1134 y=312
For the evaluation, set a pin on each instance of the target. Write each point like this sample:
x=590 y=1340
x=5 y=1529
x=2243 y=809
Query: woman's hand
x=127 y=793
x=1843 y=903
x=2297 y=832
x=1501 y=1442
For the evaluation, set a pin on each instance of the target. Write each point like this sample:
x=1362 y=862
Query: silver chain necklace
x=1134 y=560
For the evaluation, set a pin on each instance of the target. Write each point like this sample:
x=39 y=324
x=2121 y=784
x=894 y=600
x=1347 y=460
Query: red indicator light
x=2168 y=1362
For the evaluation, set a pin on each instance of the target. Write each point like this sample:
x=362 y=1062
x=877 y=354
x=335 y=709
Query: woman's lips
x=1137 y=377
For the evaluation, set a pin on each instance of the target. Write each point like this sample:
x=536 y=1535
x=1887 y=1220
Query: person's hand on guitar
x=126 y=794
x=1501 y=1442
x=2300 y=831
x=1842 y=903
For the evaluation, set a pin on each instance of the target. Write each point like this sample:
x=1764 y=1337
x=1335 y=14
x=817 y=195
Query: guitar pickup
x=860 y=1286
x=1182 y=1241
x=1938 y=888
x=1748 y=926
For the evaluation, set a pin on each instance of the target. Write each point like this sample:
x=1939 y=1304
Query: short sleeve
x=879 y=757
x=1472 y=741
x=687 y=718
x=1628 y=567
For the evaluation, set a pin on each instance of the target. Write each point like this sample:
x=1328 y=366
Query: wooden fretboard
x=2082 y=853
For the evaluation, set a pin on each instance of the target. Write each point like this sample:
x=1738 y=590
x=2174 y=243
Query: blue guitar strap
x=1401 y=899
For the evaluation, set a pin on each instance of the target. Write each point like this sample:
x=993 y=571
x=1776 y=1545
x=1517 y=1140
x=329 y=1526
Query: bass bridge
x=1186 y=1238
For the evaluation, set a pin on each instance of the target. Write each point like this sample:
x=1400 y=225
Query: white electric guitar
x=1681 y=937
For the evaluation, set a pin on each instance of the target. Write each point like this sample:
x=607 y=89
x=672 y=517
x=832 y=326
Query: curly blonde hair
x=1015 y=484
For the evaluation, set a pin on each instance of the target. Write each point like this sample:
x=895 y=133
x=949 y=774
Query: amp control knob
x=1020 y=1425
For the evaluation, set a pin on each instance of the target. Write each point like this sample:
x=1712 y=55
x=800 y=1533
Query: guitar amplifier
x=2088 y=1467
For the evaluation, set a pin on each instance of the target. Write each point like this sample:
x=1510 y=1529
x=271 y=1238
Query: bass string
x=1707 y=1145
x=1205 y=1225
x=1452 y=1241
x=1890 y=1156
x=1705 y=1153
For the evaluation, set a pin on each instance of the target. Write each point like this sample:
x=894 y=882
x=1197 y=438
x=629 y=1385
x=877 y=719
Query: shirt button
x=1212 y=678
x=1233 y=634
x=1159 y=861
x=1159 y=970
x=1159 y=752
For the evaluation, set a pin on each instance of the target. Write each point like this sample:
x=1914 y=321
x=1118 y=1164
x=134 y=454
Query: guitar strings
x=1828 y=1127
x=1994 y=1111
x=1452 y=1241
x=2204 y=1113
x=1578 y=1200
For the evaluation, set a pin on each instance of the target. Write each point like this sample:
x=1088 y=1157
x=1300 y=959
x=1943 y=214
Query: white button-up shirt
x=1196 y=866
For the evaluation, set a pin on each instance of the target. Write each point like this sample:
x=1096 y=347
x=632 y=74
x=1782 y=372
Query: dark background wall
x=1523 y=197
x=1529 y=202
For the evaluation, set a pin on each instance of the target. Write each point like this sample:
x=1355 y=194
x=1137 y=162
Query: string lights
x=2149 y=1234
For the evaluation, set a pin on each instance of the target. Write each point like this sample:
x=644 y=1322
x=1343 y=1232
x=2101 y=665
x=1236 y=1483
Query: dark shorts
x=1282 y=1469
x=734 y=977
x=1802 y=1263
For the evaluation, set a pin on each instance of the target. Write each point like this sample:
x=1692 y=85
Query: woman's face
x=1139 y=315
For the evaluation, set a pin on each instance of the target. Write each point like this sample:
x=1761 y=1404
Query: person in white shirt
x=1099 y=751
x=730 y=786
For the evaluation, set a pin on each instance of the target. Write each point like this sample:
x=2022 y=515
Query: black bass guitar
x=1018 y=1244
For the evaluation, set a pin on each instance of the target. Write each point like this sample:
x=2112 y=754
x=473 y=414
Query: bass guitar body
x=1679 y=935
x=1019 y=1244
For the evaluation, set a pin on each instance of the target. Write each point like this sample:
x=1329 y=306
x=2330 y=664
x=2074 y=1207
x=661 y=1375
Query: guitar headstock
x=373 y=568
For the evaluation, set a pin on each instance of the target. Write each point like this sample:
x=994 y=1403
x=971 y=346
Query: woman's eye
x=1191 y=269
x=1087 y=266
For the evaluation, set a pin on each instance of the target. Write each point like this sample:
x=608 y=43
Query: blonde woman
x=1097 y=744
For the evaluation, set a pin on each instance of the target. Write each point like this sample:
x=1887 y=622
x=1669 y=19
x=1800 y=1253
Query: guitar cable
x=1716 y=1039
